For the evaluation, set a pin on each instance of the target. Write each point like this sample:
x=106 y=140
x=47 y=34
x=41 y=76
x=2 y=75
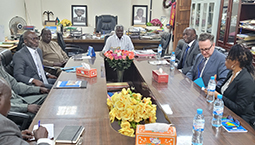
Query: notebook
x=70 y=134
x=71 y=84
x=231 y=126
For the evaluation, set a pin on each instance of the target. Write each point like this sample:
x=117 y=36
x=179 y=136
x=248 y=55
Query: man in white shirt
x=118 y=40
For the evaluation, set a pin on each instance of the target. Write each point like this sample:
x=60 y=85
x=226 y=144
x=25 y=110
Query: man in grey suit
x=189 y=51
x=27 y=62
x=209 y=63
x=9 y=132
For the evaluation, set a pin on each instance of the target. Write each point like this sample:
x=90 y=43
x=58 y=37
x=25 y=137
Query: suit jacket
x=10 y=133
x=215 y=65
x=18 y=103
x=239 y=96
x=190 y=58
x=24 y=65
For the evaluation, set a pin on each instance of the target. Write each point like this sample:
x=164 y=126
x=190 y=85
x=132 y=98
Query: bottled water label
x=211 y=87
x=218 y=110
x=199 y=125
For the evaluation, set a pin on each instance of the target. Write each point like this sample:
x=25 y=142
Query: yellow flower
x=127 y=114
x=127 y=132
x=125 y=124
x=112 y=114
x=66 y=22
x=109 y=103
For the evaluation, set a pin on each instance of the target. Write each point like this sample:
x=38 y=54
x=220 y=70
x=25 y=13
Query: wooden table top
x=88 y=107
x=68 y=40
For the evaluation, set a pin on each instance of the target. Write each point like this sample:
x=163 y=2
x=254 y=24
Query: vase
x=120 y=75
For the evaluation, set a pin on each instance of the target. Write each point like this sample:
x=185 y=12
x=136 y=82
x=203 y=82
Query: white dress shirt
x=113 y=41
x=32 y=52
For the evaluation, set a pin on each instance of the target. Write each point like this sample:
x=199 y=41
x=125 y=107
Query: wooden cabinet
x=231 y=13
x=204 y=16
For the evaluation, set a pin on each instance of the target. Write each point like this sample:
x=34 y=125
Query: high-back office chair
x=6 y=64
x=106 y=23
x=165 y=39
x=70 y=49
x=21 y=43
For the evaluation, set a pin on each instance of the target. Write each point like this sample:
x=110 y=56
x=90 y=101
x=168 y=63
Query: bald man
x=9 y=132
x=189 y=51
x=27 y=63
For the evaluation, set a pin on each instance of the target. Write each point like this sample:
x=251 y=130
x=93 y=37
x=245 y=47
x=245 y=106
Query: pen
x=38 y=123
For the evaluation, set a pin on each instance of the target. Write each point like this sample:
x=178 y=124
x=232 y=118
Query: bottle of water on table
x=159 y=51
x=172 y=61
x=218 y=109
x=211 y=90
x=198 y=128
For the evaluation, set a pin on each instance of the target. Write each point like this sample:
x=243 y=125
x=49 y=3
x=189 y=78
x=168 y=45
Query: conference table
x=87 y=106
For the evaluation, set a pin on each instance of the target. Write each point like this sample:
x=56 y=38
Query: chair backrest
x=61 y=41
x=106 y=23
x=165 y=39
x=21 y=43
x=6 y=59
x=222 y=50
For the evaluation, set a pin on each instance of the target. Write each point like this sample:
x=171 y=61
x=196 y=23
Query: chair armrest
x=18 y=114
x=15 y=116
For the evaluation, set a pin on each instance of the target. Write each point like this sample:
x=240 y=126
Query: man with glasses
x=27 y=63
x=189 y=51
x=209 y=63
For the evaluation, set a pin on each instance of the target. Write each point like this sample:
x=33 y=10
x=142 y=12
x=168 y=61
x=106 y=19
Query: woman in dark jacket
x=239 y=87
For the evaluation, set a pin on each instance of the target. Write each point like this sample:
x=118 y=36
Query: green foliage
x=119 y=64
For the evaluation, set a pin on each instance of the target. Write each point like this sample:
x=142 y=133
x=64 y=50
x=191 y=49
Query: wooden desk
x=90 y=109
x=98 y=44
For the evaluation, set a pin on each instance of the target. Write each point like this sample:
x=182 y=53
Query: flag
x=57 y=21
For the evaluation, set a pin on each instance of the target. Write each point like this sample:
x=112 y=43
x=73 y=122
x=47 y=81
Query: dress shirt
x=204 y=66
x=124 y=43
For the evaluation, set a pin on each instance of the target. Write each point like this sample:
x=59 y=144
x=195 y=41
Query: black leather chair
x=70 y=49
x=165 y=39
x=106 y=23
x=6 y=64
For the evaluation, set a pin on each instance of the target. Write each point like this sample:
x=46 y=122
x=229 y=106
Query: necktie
x=39 y=65
x=202 y=64
x=185 y=54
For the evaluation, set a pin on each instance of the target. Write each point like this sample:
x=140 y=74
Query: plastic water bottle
x=159 y=51
x=172 y=61
x=198 y=128
x=210 y=90
x=218 y=109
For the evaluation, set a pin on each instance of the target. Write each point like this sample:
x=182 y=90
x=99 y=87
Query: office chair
x=21 y=43
x=165 y=39
x=70 y=49
x=106 y=23
x=222 y=50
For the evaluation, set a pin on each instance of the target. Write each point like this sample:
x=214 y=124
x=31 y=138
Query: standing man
x=189 y=51
x=28 y=67
x=9 y=132
x=118 y=40
x=53 y=55
x=209 y=63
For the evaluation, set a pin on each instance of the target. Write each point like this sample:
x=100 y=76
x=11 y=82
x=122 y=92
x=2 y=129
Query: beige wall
x=62 y=10
x=8 y=10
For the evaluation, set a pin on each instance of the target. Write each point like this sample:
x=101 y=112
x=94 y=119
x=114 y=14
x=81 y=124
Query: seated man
x=118 y=40
x=189 y=50
x=209 y=63
x=53 y=55
x=27 y=63
x=9 y=132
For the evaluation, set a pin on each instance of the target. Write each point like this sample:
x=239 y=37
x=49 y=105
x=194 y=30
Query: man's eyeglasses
x=206 y=49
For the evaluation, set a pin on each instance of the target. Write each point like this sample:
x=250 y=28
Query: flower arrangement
x=155 y=22
x=129 y=109
x=119 y=59
x=66 y=22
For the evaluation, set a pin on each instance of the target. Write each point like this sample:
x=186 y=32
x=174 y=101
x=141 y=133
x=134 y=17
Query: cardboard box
x=143 y=137
x=160 y=77
x=80 y=71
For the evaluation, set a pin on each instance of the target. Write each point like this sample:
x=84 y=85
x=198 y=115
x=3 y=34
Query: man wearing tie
x=209 y=62
x=189 y=51
x=28 y=67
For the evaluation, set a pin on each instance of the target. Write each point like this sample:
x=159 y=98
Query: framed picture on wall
x=79 y=15
x=139 y=14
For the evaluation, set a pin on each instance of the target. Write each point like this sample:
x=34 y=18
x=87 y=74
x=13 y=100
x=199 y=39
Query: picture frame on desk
x=139 y=14
x=79 y=15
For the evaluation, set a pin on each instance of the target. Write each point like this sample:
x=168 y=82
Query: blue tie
x=185 y=54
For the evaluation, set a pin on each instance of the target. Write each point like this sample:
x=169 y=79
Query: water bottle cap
x=219 y=96
x=212 y=77
x=173 y=52
x=199 y=111
x=159 y=45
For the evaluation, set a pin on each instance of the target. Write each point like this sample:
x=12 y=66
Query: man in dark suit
x=9 y=132
x=209 y=62
x=189 y=51
x=28 y=67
